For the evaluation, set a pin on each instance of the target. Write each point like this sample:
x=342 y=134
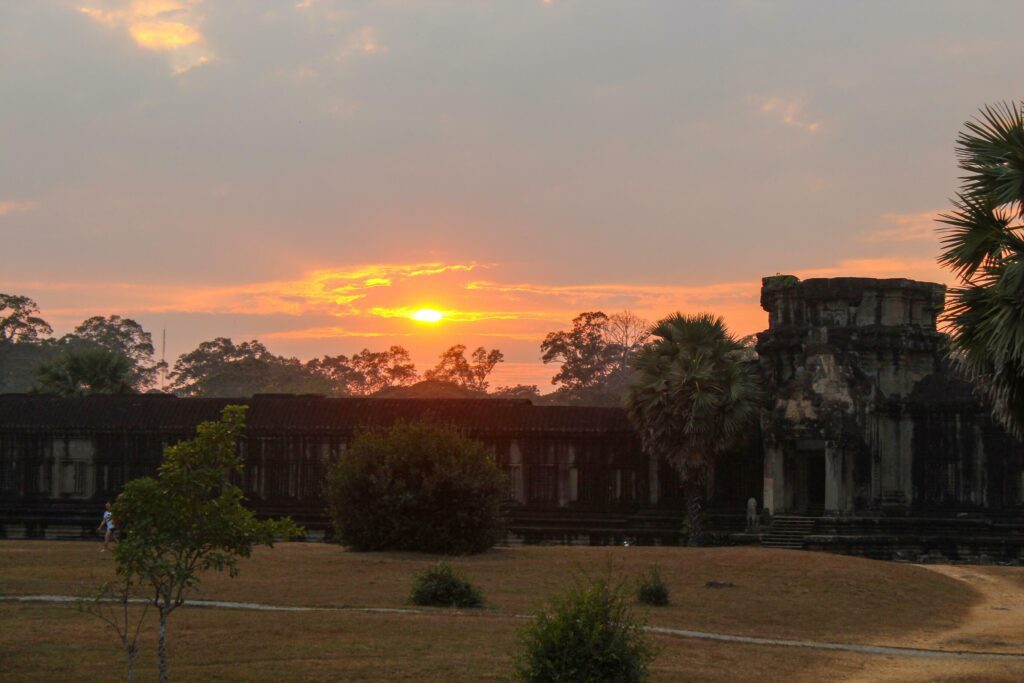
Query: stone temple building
x=865 y=416
x=869 y=444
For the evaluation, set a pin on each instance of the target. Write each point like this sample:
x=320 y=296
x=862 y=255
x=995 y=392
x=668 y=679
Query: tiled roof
x=283 y=413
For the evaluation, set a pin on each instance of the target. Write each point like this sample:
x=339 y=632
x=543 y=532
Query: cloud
x=10 y=206
x=325 y=291
x=168 y=26
x=362 y=42
x=905 y=227
x=331 y=332
x=791 y=112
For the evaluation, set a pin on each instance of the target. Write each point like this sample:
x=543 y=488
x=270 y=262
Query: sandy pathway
x=995 y=624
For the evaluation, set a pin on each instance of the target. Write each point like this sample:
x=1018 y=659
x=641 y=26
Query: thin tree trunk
x=163 y=645
x=132 y=654
x=694 y=491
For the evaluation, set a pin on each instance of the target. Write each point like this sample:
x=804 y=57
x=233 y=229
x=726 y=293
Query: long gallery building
x=869 y=444
x=571 y=470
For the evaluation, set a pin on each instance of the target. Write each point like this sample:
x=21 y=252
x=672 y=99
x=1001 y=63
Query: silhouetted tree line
x=116 y=355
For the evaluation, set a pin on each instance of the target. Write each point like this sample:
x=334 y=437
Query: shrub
x=440 y=586
x=651 y=590
x=417 y=486
x=587 y=633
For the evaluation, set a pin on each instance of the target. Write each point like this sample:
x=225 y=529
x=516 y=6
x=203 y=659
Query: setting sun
x=427 y=315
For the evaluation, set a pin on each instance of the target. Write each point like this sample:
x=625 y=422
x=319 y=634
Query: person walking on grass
x=110 y=533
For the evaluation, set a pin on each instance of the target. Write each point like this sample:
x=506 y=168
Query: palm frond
x=991 y=151
x=693 y=393
x=978 y=232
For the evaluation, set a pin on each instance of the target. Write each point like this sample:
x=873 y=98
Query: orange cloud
x=791 y=112
x=164 y=35
x=333 y=332
x=170 y=26
x=9 y=207
x=362 y=42
x=906 y=227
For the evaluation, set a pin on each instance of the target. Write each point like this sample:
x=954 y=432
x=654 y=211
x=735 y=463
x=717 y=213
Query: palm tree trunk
x=694 y=492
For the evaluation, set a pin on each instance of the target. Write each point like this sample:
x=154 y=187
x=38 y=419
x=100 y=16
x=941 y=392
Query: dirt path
x=971 y=645
x=995 y=624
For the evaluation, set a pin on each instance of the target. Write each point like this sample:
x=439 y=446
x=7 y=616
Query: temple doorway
x=815 y=485
x=805 y=482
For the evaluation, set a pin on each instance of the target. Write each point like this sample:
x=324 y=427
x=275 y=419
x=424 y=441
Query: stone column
x=774 y=480
x=652 y=478
x=563 y=458
x=834 y=484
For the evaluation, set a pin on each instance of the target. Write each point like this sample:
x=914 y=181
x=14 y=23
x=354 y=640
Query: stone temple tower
x=864 y=417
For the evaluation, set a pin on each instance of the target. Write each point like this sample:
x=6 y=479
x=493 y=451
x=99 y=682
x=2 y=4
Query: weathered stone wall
x=864 y=413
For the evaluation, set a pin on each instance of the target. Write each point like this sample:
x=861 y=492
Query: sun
x=427 y=315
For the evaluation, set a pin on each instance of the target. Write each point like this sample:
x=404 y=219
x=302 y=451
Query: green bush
x=417 y=486
x=651 y=589
x=440 y=586
x=587 y=633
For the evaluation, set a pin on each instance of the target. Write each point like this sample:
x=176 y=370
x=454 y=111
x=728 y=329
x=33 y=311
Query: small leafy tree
x=111 y=604
x=190 y=519
x=417 y=486
x=588 y=633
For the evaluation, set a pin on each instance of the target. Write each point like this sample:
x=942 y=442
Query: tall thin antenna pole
x=163 y=361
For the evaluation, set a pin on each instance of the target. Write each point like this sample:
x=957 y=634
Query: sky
x=311 y=173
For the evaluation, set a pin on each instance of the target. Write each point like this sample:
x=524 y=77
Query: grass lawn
x=776 y=594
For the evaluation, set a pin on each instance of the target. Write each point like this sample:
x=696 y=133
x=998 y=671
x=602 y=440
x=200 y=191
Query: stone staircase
x=788 y=532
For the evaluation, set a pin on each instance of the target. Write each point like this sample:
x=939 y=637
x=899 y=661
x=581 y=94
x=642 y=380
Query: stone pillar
x=834 y=484
x=515 y=461
x=564 y=460
x=907 y=459
x=652 y=478
x=774 y=480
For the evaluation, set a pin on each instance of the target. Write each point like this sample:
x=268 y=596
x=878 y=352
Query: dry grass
x=52 y=643
x=776 y=594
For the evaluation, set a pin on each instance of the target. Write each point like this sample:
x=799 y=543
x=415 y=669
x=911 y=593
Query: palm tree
x=983 y=246
x=694 y=394
x=81 y=372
